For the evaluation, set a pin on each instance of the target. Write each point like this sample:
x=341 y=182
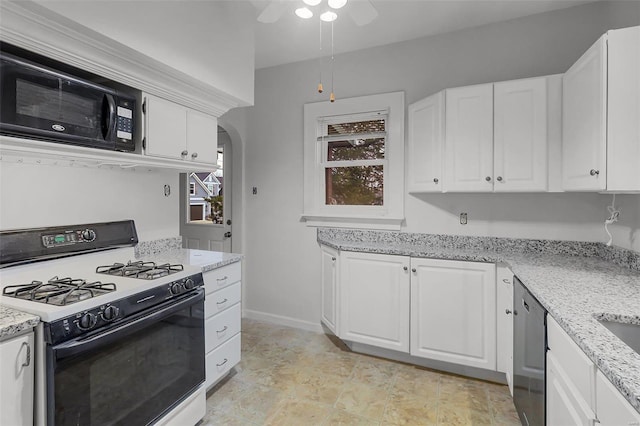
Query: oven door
x=132 y=373
x=43 y=103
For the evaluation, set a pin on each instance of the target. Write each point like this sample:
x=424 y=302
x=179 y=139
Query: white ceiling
x=292 y=39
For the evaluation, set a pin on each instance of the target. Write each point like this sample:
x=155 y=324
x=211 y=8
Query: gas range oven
x=121 y=340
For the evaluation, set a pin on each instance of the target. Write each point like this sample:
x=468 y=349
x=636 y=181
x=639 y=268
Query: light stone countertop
x=13 y=322
x=574 y=289
x=207 y=260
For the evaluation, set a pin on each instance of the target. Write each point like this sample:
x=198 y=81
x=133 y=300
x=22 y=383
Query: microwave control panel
x=125 y=123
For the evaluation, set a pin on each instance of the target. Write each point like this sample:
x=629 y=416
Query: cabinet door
x=165 y=128
x=469 y=139
x=453 y=312
x=504 y=326
x=623 y=128
x=612 y=408
x=520 y=138
x=202 y=137
x=16 y=376
x=565 y=406
x=329 y=288
x=426 y=133
x=584 y=126
x=375 y=300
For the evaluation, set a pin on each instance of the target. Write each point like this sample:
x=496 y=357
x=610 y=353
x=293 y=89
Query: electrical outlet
x=463 y=218
x=255 y=190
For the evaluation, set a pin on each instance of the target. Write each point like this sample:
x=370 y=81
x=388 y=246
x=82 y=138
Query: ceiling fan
x=361 y=12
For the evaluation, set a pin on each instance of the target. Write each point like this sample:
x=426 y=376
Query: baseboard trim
x=282 y=320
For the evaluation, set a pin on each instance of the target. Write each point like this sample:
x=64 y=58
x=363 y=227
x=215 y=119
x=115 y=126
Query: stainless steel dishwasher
x=529 y=356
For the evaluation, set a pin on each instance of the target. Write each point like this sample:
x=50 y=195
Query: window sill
x=359 y=222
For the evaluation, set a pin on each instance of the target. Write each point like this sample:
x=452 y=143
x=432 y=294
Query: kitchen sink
x=628 y=333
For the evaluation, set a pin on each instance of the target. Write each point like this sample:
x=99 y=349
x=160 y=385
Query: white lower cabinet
x=565 y=405
x=374 y=300
x=17 y=380
x=504 y=323
x=612 y=408
x=453 y=312
x=330 y=270
x=223 y=319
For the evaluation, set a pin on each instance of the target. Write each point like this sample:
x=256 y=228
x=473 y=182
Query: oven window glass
x=137 y=379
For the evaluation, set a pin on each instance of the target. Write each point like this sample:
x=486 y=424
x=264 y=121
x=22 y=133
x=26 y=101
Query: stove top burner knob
x=87 y=321
x=88 y=235
x=175 y=288
x=189 y=284
x=110 y=313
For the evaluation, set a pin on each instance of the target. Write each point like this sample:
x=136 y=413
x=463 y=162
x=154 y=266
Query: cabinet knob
x=184 y=153
x=594 y=172
x=436 y=180
x=405 y=268
x=499 y=178
x=488 y=178
x=194 y=155
x=413 y=269
x=507 y=311
x=333 y=258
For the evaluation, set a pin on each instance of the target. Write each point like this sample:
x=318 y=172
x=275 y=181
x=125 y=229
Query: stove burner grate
x=140 y=269
x=58 y=291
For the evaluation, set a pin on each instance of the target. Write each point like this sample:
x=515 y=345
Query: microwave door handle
x=75 y=347
x=108 y=116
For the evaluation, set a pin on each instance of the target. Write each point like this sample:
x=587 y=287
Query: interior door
x=205 y=203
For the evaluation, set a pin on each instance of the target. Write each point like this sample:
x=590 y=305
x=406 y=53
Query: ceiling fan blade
x=362 y=12
x=272 y=12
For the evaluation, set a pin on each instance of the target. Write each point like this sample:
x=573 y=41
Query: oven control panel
x=66 y=238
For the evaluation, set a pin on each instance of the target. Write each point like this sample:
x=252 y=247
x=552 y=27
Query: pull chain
x=320 y=88
x=332 y=97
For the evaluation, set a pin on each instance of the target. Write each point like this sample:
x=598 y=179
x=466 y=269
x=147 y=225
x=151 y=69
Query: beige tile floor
x=294 y=377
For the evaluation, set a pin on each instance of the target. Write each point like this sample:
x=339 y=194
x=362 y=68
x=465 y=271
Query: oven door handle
x=74 y=347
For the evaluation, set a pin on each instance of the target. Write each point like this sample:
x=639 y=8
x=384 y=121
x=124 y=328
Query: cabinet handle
x=594 y=172
x=488 y=178
x=220 y=303
x=222 y=363
x=194 y=155
x=222 y=279
x=506 y=280
x=499 y=178
x=413 y=269
x=184 y=153
x=223 y=330
x=436 y=180
x=507 y=311
x=28 y=361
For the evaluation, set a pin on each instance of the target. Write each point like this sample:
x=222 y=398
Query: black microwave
x=40 y=102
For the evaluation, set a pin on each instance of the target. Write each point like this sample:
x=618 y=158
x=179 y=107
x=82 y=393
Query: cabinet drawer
x=579 y=369
x=220 y=300
x=221 y=327
x=222 y=277
x=221 y=360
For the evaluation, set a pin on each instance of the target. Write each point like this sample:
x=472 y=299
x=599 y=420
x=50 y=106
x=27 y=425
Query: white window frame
x=388 y=216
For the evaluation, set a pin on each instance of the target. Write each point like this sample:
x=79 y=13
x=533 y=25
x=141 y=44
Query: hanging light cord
x=613 y=217
x=320 y=88
x=332 y=97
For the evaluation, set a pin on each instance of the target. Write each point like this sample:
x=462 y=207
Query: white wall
x=282 y=279
x=47 y=195
x=212 y=41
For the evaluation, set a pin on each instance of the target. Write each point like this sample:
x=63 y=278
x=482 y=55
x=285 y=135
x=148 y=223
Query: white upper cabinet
x=520 y=135
x=176 y=132
x=601 y=112
x=469 y=139
x=426 y=140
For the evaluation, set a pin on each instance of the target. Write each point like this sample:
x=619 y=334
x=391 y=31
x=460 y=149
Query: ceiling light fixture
x=329 y=16
x=312 y=2
x=304 y=13
x=337 y=4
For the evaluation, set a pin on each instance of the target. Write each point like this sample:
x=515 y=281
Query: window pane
x=356 y=149
x=368 y=126
x=356 y=186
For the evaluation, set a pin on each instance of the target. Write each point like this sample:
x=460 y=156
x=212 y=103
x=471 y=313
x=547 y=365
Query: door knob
x=227 y=234
x=594 y=172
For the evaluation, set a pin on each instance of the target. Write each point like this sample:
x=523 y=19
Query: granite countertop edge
x=619 y=363
x=13 y=322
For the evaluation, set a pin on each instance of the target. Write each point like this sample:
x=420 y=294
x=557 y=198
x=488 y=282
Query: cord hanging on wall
x=332 y=97
x=320 y=88
x=613 y=217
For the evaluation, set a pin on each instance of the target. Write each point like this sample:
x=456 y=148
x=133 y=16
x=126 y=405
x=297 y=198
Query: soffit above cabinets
x=36 y=28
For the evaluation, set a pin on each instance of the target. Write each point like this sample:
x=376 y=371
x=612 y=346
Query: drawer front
x=222 y=277
x=579 y=369
x=222 y=359
x=220 y=300
x=219 y=328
